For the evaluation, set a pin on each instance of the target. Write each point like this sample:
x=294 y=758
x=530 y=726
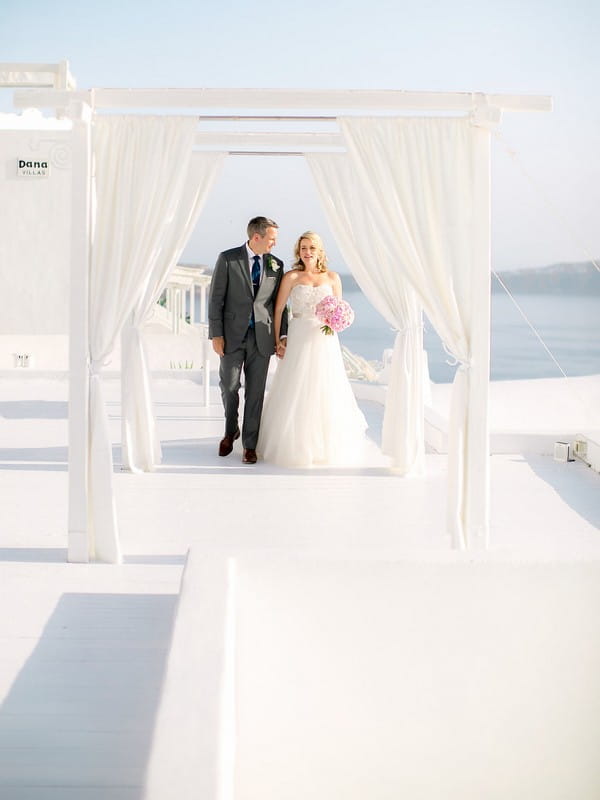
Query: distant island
x=572 y=279
x=580 y=278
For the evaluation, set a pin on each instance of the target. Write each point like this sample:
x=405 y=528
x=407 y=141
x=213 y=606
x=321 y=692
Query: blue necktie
x=256 y=274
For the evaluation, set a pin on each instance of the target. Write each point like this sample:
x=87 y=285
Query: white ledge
x=238 y=140
x=30 y=74
x=337 y=100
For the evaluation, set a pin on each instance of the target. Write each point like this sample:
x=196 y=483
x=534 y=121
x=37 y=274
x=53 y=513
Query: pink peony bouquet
x=335 y=314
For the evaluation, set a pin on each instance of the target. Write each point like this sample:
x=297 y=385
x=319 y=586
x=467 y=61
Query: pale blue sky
x=528 y=47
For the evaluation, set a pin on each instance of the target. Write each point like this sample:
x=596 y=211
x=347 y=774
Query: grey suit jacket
x=232 y=300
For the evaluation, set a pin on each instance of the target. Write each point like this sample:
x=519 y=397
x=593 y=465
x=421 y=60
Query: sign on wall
x=27 y=168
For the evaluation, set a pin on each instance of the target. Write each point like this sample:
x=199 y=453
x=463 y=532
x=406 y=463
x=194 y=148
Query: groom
x=240 y=323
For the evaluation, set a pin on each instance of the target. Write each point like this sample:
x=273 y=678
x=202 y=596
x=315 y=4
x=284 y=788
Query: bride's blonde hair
x=321 y=257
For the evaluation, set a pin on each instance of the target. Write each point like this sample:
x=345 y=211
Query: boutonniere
x=274 y=264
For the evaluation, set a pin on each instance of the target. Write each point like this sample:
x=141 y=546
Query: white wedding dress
x=310 y=416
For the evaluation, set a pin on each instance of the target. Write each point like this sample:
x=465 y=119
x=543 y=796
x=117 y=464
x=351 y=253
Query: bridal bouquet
x=335 y=314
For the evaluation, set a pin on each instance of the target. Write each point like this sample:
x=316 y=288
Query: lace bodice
x=304 y=298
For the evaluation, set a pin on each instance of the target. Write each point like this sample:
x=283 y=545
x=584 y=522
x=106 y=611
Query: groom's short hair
x=259 y=225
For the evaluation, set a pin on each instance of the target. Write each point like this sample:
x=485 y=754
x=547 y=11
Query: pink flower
x=336 y=314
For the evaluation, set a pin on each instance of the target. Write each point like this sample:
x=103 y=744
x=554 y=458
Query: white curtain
x=381 y=279
x=140 y=443
x=141 y=165
x=418 y=177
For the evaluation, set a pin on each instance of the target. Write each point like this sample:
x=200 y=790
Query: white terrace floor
x=83 y=647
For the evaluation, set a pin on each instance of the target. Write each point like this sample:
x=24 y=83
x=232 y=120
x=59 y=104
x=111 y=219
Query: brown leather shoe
x=249 y=456
x=226 y=443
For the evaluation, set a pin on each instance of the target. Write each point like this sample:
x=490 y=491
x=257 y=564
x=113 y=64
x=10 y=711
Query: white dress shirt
x=251 y=255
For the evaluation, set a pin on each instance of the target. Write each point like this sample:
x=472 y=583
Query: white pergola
x=27 y=75
x=274 y=108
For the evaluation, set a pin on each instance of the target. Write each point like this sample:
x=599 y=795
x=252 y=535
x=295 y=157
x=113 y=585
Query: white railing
x=180 y=296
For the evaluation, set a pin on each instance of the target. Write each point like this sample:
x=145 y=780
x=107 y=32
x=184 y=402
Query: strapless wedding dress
x=310 y=415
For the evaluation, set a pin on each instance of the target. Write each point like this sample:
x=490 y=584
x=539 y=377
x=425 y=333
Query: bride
x=310 y=415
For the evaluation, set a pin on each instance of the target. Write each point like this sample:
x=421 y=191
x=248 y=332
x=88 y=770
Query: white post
x=192 y=303
x=477 y=484
x=203 y=303
x=125 y=386
x=79 y=548
x=179 y=304
x=206 y=345
x=62 y=75
x=174 y=310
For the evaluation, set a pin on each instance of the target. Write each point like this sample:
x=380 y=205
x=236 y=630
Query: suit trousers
x=255 y=366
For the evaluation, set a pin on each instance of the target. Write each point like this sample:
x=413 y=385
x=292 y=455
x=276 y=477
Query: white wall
x=388 y=680
x=165 y=351
x=453 y=677
x=34 y=232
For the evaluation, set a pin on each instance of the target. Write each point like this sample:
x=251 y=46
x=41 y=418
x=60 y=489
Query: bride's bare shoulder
x=292 y=275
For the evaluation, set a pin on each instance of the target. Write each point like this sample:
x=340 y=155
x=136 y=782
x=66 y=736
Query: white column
x=203 y=303
x=62 y=75
x=176 y=309
x=192 y=303
x=206 y=348
x=477 y=488
x=125 y=354
x=78 y=523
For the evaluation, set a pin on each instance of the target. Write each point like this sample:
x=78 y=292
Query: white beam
x=27 y=66
x=242 y=140
x=27 y=74
x=341 y=101
x=267 y=118
x=79 y=547
x=477 y=479
x=64 y=79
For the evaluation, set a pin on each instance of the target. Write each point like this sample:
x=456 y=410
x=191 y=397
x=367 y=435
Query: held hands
x=218 y=344
x=280 y=347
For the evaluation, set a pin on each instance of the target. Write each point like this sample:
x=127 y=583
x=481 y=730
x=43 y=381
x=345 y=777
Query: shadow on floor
x=578 y=486
x=45 y=459
x=162 y=560
x=78 y=720
x=34 y=457
x=59 y=555
x=34 y=409
x=34 y=555
x=199 y=456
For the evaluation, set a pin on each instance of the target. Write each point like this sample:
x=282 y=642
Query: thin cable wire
x=522 y=313
x=512 y=154
x=585 y=405
x=576 y=239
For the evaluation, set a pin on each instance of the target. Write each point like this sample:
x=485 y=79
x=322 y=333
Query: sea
x=569 y=325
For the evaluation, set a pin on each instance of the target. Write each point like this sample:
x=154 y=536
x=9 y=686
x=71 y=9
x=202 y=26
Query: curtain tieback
x=406 y=346
x=465 y=363
x=409 y=329
x=95 y=366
